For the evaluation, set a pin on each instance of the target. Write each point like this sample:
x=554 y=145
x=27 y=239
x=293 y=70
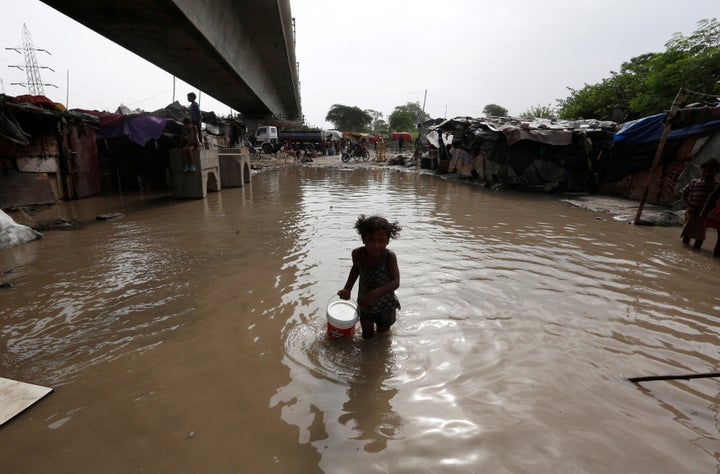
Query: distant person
x=401 y=143
x=695 y=196
x=377 y=268
x=195 y=114
x=289 y=150
x=190 y=144
x=711 y=212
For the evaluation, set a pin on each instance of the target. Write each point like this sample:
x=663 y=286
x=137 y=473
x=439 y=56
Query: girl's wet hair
x=365 y=225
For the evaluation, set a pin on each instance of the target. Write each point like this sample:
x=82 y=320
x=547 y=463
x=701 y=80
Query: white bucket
x=342 y=316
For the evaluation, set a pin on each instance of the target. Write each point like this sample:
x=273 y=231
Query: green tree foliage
x=647 y=84
x=378 y=125
x=405 y=118
x=539 y=111
x=349 y=119
x=494 y=110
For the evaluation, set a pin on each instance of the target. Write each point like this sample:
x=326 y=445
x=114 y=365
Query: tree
x=647 y=84
x=348 y=119
x=539 y=111
x=378 y=125
x=494 y=110
x=405 y=118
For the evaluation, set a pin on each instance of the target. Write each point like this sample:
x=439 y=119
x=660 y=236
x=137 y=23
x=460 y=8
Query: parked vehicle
x=266 y=139
x=304 y=139
x=356 y=151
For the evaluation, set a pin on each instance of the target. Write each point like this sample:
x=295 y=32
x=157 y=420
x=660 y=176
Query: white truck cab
x=266 y=138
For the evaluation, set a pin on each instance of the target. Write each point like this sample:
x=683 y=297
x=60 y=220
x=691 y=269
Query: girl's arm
x=346 y=291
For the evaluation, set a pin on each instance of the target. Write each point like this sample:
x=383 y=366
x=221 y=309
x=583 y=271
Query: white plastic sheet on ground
x=12 y=233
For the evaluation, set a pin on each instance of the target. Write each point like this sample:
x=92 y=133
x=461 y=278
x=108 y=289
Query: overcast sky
x=454 y=56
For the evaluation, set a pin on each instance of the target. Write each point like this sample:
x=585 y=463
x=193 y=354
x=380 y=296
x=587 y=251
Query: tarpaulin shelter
x=407 y=138
x=139 y=128
x=693 y=137
x=133 y=149
x=528 y=154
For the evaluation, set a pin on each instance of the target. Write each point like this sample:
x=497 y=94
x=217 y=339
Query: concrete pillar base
x=234 y=167
x=195 y=185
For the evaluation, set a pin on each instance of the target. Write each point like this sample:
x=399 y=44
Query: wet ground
x=190 y=336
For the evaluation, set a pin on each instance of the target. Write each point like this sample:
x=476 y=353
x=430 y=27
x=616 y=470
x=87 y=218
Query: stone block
x=234 y=167
x=194 y=185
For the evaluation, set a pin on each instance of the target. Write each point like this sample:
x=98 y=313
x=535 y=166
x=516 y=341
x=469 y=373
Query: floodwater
x=190 y=336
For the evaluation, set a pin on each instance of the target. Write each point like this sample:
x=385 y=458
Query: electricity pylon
x=34 y=82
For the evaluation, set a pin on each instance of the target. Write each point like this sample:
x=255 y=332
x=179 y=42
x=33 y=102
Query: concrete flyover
x=242 y=52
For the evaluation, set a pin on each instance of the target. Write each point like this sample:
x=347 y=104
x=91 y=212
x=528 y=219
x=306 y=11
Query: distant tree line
x=645 y=85
x=353 y=119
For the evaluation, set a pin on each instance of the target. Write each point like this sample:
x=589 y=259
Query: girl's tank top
x=374 y=277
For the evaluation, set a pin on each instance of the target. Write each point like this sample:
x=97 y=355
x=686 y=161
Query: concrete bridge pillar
x=197 y=184
x=234 y=167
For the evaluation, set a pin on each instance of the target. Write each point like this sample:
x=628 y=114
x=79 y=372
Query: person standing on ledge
x=189 y=145
x=195 y=114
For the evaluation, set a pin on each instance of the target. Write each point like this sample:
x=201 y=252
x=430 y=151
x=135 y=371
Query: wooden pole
x=658 y=153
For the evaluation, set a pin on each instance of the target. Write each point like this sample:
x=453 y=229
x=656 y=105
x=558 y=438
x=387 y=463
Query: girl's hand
x=344 y=294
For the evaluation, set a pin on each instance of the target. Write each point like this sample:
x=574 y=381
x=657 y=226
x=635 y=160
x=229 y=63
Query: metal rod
x=652 y=378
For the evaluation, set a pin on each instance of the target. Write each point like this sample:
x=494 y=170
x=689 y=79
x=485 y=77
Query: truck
x=269 y=139
x=266 y=138
x=303 y=139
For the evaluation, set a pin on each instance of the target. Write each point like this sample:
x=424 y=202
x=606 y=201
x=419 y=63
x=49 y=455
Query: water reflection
x=368 y=408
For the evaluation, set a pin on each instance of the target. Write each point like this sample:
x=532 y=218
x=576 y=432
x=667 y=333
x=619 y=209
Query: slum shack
x=46 y=153
x=531 y=155
x=133 y=150
x=693 y=137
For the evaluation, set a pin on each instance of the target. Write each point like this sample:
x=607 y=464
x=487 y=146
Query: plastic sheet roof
x=687 y=122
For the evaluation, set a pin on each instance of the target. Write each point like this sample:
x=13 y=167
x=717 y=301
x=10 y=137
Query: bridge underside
x=242 y=52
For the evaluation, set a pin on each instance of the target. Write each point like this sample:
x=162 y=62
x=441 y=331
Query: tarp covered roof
x=405 y=136
x=35 y=105
x=355 y=135
x=686 y=123
x=138 y=128
x=549 y=132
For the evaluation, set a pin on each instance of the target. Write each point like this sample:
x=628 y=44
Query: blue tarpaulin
x=650 y=129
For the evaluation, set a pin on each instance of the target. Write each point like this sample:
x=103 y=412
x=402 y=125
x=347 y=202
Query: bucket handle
x=336 y=297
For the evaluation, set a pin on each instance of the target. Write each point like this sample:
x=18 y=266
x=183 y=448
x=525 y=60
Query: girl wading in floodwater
x=379 y=275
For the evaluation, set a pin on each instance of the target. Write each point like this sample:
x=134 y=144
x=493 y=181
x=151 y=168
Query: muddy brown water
x=190 y=336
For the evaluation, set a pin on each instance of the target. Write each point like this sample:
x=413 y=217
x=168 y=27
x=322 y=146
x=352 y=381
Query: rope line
x=714 y=96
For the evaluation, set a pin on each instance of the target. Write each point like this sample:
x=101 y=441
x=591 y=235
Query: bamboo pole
x=658 y=153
